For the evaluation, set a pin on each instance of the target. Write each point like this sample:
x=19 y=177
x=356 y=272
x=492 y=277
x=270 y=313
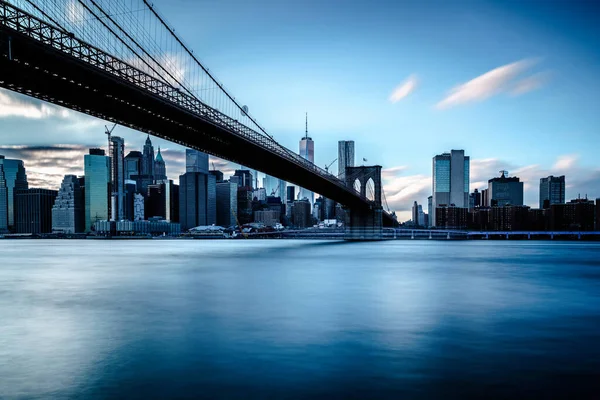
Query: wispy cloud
x=498 y=80
x=404 y=89
x=529 y=83
x=13 y=105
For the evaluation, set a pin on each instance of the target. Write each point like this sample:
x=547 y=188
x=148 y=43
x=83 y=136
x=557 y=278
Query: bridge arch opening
x=357 y=185
x=370 y=189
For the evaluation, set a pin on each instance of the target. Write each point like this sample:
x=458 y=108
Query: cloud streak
x=404 y=89
x=498 y=80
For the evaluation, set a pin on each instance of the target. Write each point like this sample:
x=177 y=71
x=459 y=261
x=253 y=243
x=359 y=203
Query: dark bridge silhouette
x=42 y=57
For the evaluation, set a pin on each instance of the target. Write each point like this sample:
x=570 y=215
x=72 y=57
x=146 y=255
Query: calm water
x=299 y=319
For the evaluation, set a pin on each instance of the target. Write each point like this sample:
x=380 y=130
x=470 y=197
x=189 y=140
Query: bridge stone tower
x=365 y=223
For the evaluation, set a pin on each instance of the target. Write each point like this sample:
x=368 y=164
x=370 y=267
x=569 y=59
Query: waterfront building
x=68 y=209
x=475 y=199
x=117 y=177
x=97 y=182
x=133 y=164
x=148 y=159
x=552 y=191
x=429 y=211
x=130 y=191
x=218 y=175
x=450 y=181
x=576 y=215
x=172 y=201
x=267 y=217
x=154 y=227
x=196 y=161
x=197 y=199
x=245 y=179
x=227 y=203
x=15 y=178
x=485 y=198
x=301 y=216
x=598 y=214
x=138 y=207
x=160 y=169
x=3 y=199
x=291 y=194
x=450 y=217
x=509 y=218
x=505 y=191
x=34 y=210
x=244 y=205
x=345 y=157
x=155 y=205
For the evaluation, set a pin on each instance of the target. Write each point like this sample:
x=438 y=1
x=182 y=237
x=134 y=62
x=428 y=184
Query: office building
x=505 y=191
x=301 y=216
x=218 y=175
x=172 y=201
x=3 y=199
x=130 y=191
x=244 y=205
x=97 y=182
x=16 y=179
x=509 y=218
x=245 y=178
x=197 y=200
x=138 y=207
x=148 y=159
x=552 y=191
x=227 y=203
x=155 y=205
x=259 y=194
x=117 y=177
x=68 y=209
x=597 y=214
x=345 y=157
x=267 y=217
x=133 y=165
x=450 y=181
x=474 y=199
x=196 y=161
x=415 y=213
x=34 y=210
x=429 y=211
x=307 y=151
x=291 y=194
x=160 y=169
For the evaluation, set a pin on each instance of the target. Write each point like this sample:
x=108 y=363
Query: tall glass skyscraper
x=307 y=151
x=117 y=178
x=3 y=199
x=552 y=191
x=450 y=181
x=196 y=161
x=97 y=179
x=345 y=157
x=15 y=179
x=67 y=212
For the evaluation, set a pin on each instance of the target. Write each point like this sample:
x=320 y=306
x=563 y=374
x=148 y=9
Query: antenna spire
x=306 y=126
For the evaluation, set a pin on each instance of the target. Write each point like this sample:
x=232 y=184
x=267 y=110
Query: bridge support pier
x=365 y=223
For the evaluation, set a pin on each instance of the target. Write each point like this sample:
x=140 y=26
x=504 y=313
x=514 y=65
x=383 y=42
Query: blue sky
x=514 y=83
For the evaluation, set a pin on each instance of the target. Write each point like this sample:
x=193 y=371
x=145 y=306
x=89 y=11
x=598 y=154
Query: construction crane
x=330 y=164
x=109 y=132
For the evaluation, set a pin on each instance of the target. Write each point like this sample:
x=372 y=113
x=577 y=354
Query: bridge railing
x=66 y=42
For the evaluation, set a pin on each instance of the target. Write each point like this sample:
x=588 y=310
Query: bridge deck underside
x=48 y=74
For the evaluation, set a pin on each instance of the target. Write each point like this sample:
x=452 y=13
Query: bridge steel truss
x=44 y=61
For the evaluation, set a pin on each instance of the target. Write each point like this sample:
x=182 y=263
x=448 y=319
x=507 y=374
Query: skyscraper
x=148 y=158
x=117 y=178
x=450 y=181
x=3 y=199
x=16 y=179
x=133 y=164
x=197 y=199
x=245 y=178
x=34 y=210
x=68 y=210
x=226 y=203
x=345 y=157
x=552 y=191
x=196 y=161
x=97 y=179
x=307 y=151
x=160 y=169
x=505 y=191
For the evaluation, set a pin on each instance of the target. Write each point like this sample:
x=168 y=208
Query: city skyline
x=536 y=94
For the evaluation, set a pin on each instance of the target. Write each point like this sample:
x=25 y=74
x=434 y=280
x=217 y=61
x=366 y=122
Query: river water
x=299 y=319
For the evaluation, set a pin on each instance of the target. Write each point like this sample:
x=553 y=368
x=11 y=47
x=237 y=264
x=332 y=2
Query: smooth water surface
x=299 y=319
